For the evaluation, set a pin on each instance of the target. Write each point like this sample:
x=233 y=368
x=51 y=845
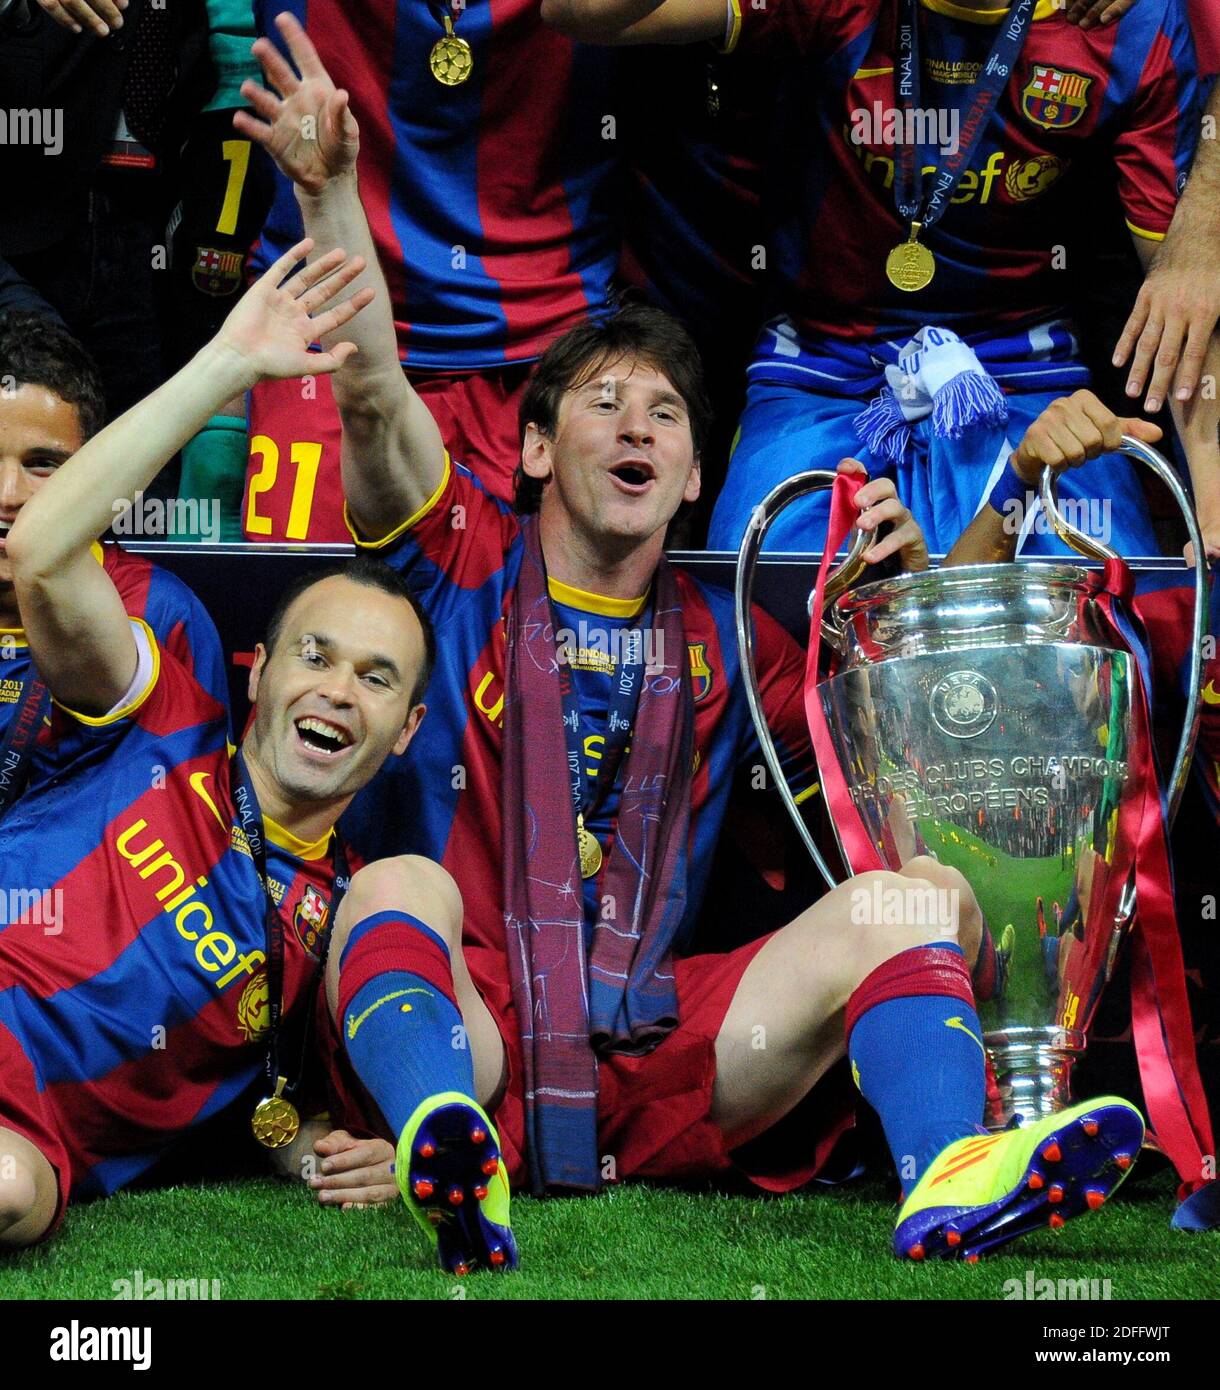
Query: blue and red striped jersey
x=462 y=555
x=488 y=201
x=133 y=976
x=179 y=621
x=1124 y=93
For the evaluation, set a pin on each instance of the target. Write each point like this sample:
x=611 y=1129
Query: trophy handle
x=1086 y=545
x=779 y=498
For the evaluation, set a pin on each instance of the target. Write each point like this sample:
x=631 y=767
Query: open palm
x=308 y=128
x=273 y=324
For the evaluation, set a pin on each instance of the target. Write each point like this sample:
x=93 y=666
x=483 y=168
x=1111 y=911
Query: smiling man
x=588 y=724
x=195 y=885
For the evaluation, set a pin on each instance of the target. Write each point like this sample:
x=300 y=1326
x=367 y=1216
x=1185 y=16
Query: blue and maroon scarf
x=621 y=998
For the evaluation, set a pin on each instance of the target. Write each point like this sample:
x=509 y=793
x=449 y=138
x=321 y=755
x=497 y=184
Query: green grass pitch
x=266 y=1239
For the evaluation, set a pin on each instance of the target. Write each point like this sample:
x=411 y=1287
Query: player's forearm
x=392 y=456
x=80 y=501
x=1200 y=203
x=990 y=539
x=335 y=217
x=1198 y=425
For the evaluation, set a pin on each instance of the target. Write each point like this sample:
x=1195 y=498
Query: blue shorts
x=786 y=430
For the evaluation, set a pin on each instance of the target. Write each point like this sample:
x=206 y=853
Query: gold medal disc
x=910 y=266
x=450 y=59
x=275 y=1122
x=588 y=848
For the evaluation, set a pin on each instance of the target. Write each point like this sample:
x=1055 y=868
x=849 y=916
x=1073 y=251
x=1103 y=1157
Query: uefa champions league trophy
x=983 y=715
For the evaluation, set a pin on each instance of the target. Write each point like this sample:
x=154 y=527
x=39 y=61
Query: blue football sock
x=401 y=1025
x=917 y=1053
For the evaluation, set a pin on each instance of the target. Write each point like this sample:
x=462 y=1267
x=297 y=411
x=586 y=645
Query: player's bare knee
x=407 y=883
x=896 y=912
x=18 y=1200
x=955 y=900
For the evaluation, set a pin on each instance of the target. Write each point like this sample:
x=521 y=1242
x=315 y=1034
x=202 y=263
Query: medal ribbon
x=273 y=926
x=909 y=161
x=626 y=681
x=17 y=746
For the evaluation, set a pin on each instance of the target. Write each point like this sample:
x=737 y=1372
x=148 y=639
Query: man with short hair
x=590 y=720
x=176 y=901
x=50 y=404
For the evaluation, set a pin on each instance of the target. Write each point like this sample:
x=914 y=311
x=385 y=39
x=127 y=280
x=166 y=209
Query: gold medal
x=275 y=1121
x=450 y=58
x=588 y=848
x=910 y=266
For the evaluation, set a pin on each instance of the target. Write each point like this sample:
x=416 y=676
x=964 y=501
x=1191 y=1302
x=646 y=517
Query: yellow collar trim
x=301 y=849
x=595 y=603
x=1042 y=10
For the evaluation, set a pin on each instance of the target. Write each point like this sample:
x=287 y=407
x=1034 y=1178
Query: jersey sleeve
x=164 y=701
x=1154 y=149
x=453 y=547
x=185 y=630
x=780 y=664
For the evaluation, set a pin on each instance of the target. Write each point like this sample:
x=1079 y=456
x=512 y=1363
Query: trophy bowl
x=984 y=715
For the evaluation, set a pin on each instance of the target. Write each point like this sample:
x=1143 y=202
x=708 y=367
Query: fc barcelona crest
x=215 y=272
x=700 y=671
x=1055 y=99
x=309 y=919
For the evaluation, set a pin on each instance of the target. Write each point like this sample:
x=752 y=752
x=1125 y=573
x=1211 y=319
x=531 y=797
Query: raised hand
x=273 y=324
x=308 y=128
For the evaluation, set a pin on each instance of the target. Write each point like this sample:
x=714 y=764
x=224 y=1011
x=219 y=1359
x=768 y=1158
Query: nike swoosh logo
x=1210 y=695
x=956 y=1022
x=197 y=779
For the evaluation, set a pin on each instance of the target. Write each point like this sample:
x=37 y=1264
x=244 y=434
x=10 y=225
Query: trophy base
x=1033 y=1073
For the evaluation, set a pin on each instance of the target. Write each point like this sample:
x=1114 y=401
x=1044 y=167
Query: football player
x=174 y=902
x=488 y=195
